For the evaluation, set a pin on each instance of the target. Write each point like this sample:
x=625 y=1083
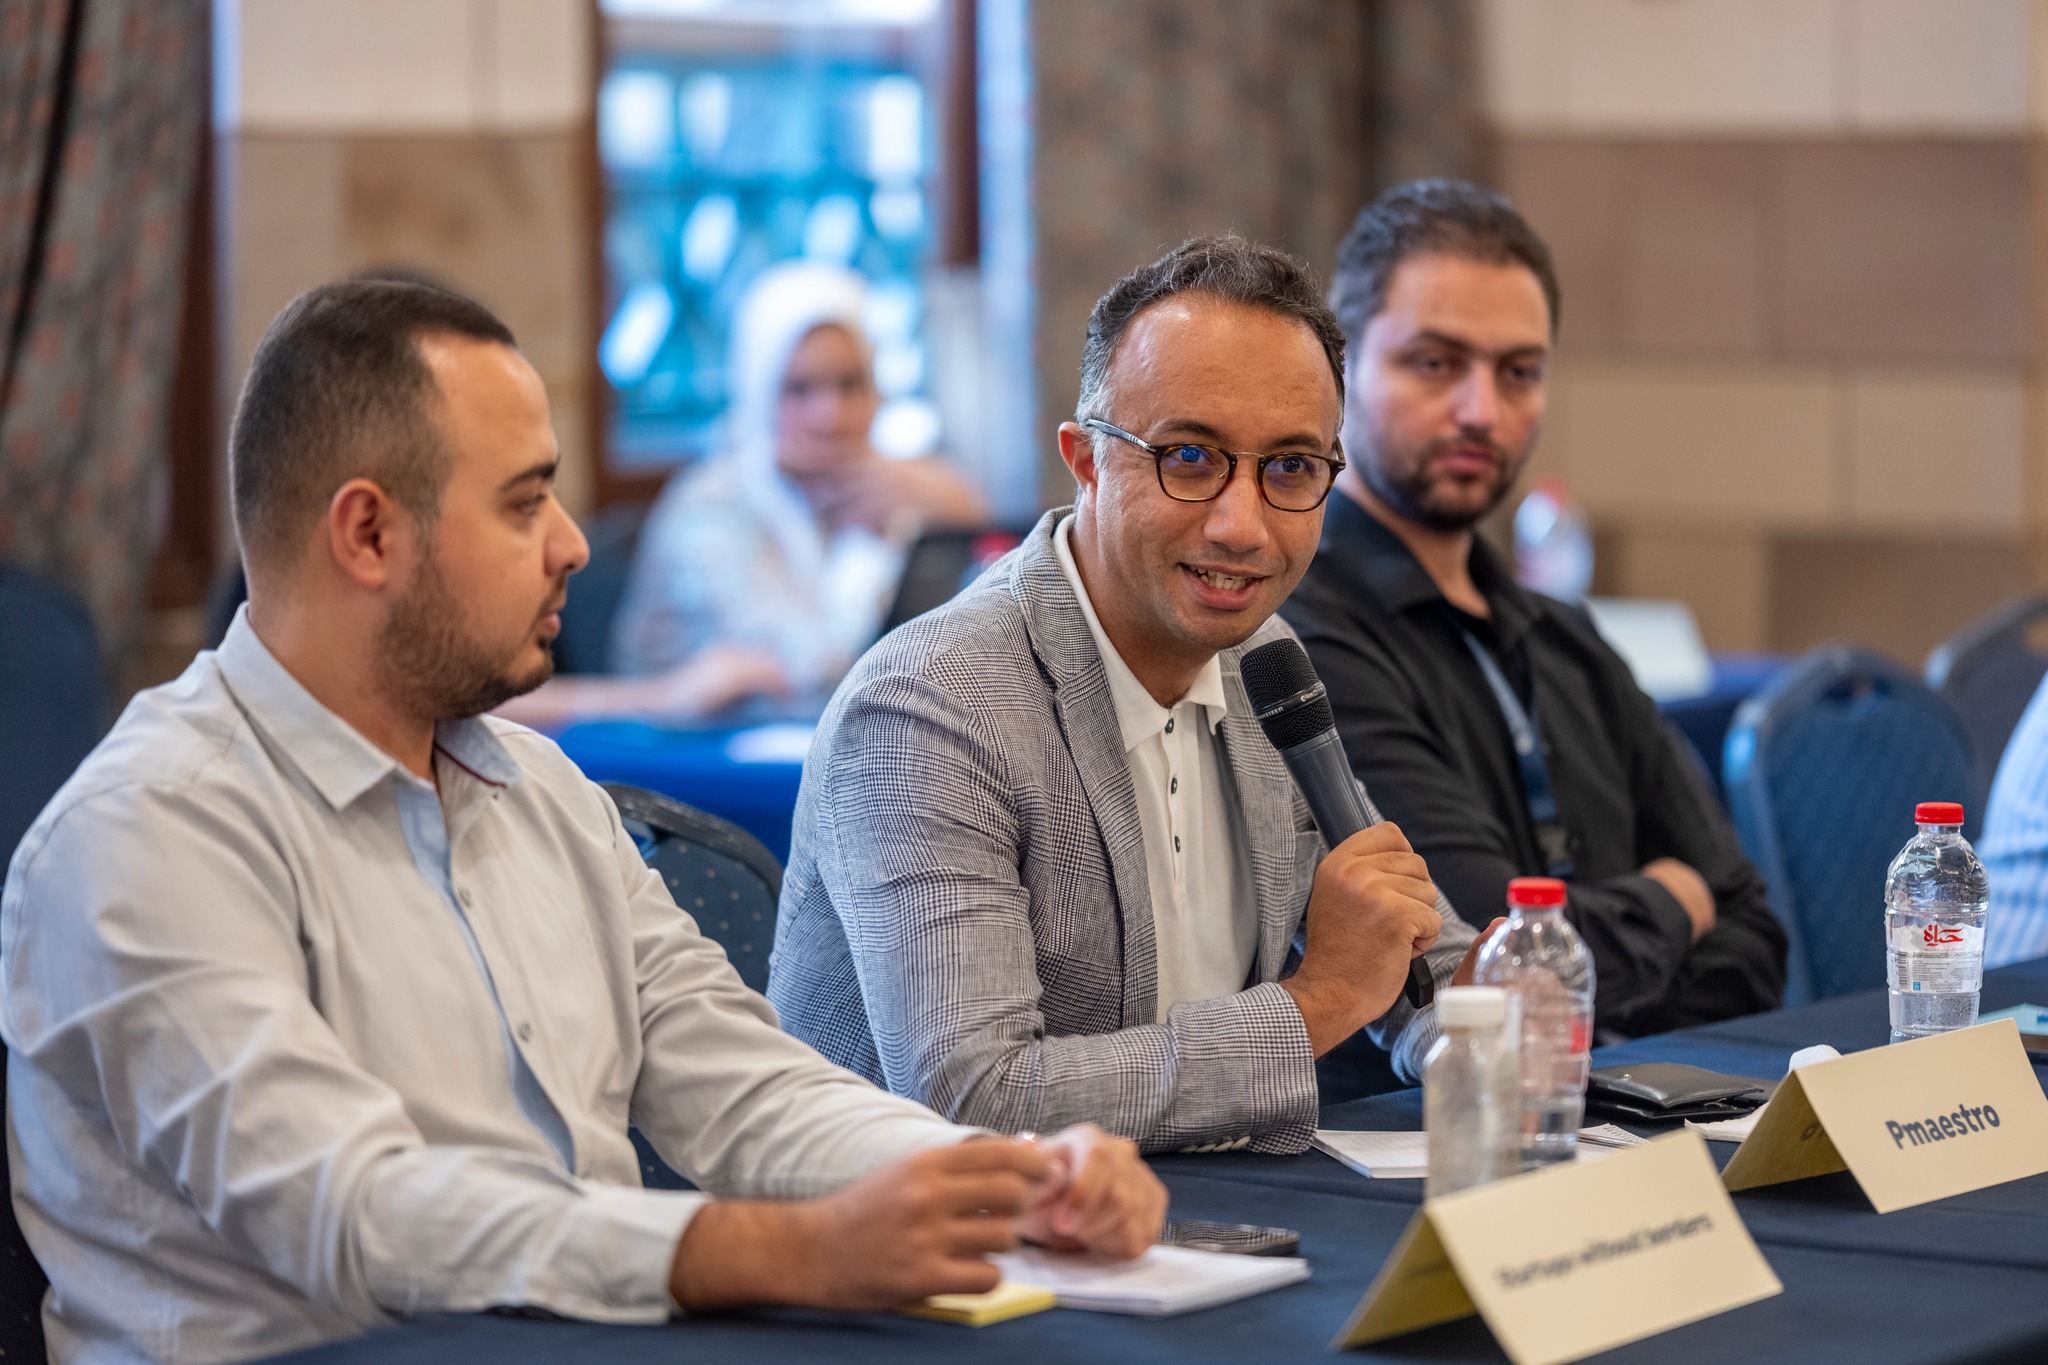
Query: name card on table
x=1576 y=1259
x=1913 y=1122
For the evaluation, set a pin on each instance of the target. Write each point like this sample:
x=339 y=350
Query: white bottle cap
x=1472 y=1006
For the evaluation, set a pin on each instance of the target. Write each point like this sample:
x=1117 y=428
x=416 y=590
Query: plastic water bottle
x=1543 y=963
x=1553 y=547
x=1472 y=1092
x=1934 y=899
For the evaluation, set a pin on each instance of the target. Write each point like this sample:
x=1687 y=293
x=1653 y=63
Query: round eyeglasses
x=1189 y=472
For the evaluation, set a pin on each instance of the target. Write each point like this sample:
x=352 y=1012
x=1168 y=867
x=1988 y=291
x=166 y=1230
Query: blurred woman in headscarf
x=767 y=569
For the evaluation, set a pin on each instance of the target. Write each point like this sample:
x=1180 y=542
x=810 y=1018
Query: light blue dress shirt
x=2014 y=845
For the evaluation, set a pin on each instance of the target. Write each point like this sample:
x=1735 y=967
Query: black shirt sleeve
x=1649 y=974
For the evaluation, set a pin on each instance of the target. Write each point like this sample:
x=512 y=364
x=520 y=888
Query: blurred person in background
x=766 y=570
x=2014 y=844
x=1493 y=723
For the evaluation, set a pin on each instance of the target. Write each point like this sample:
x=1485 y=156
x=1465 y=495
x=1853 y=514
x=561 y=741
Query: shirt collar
x=1137 y=714
x=1384 y=566
x=335 y=758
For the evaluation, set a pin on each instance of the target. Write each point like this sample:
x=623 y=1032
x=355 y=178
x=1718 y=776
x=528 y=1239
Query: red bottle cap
x=1537 y=891
x=1938 y=813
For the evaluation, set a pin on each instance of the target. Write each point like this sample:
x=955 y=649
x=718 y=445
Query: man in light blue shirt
x=330 y=999
x=2014 y=846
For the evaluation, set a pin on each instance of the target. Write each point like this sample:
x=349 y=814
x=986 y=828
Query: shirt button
x=1169 y=725
x=526 y=1032
x=1176 y=843
x=1173 y=787
x=463 y=895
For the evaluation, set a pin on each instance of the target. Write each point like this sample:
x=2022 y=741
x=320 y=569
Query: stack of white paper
x=1164 y=1281
x=1405 y=1156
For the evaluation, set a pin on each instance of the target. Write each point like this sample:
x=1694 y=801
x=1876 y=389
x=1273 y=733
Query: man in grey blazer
x=1047 y=868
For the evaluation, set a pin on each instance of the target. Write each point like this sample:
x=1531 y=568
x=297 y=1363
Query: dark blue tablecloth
x=1960 y=1280
x=696 y=767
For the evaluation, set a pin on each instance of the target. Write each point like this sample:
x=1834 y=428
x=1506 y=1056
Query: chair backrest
x=52 y=697
x=1989 y=670
x=584 y=646
x=21 y=1278
x=722 y=876
x=1823 y=769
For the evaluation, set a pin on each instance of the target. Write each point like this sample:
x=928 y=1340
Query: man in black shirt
x=1438 y=663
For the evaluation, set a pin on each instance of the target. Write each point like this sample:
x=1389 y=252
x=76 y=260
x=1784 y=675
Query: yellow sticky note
x=1007 y=1300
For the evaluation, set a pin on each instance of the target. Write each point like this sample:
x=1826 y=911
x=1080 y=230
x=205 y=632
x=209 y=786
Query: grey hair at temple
x=1231 y=268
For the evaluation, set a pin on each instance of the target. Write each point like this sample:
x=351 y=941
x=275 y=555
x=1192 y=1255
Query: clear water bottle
x=1543 y=963
x=1553 y=545
x=1934 y=899
x=1472 y=1092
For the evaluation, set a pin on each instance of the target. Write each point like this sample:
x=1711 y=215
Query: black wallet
x=1665 y=1092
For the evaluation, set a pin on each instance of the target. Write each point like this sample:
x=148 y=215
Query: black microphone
x=1294 y=711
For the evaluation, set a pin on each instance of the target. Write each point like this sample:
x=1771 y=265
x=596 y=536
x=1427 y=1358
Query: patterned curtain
x=1426 y=116
x=101 y=103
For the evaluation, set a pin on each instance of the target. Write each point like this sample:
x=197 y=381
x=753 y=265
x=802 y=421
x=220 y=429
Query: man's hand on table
x=923 y=1225
x=1373 y=910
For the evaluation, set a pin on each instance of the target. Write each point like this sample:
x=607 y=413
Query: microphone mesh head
x=1272 y=674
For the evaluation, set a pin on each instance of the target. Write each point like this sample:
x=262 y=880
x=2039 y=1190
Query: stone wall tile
x=1742 y=445
x=1570 y=191
x=1939 y=65
x=1695 y=241
x=1935 y=450
x=1910 y=250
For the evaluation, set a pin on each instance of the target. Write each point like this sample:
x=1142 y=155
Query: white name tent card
x=1573 y=1260
x=1913 y=1122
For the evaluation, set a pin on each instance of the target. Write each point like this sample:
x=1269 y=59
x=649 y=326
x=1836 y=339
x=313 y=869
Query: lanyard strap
x=1527 y=733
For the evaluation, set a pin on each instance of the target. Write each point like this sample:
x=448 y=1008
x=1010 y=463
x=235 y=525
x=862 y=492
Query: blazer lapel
x=1087 y=717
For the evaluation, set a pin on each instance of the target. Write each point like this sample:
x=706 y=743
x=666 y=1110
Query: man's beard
x=1412 y=494
x=436 y=668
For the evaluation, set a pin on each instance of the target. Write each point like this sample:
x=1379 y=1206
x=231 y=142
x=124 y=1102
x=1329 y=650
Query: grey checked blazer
x=966 y=919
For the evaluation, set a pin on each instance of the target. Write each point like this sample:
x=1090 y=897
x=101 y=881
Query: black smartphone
x=1243 y=1239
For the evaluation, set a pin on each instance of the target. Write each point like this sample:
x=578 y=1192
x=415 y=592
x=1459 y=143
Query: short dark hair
x=338 y=390
x=1452 y=217
x=1227 y=267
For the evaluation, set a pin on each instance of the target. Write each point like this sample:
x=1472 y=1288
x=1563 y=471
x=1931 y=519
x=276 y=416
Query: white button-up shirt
x=1197 y=868
x=266 y=1083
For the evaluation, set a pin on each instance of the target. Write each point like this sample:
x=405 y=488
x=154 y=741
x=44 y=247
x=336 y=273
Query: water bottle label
x=1935 y=959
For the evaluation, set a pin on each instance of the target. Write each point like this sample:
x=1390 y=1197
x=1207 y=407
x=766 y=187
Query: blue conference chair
x=52 y=697
x=727 y=881
x=1823 y=769
x=1989 y=670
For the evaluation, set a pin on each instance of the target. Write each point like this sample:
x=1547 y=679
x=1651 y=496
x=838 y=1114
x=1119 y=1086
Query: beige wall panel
x=535 y=63
x=1737 y=445
x=1723 y=575
x=1904 y=250
x=284 y=231
x=1525 y=62
x=1900 y=594
x=1936 y=451
x=1685 y=66
x=359 y=65
x=1695 y=247
x=1570 y=191
x=1939 y=65
x=502 y=217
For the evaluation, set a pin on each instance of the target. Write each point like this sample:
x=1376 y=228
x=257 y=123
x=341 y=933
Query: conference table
x=1963 y=1279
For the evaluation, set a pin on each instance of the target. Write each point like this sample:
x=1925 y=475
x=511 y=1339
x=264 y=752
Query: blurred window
x=737 y=133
